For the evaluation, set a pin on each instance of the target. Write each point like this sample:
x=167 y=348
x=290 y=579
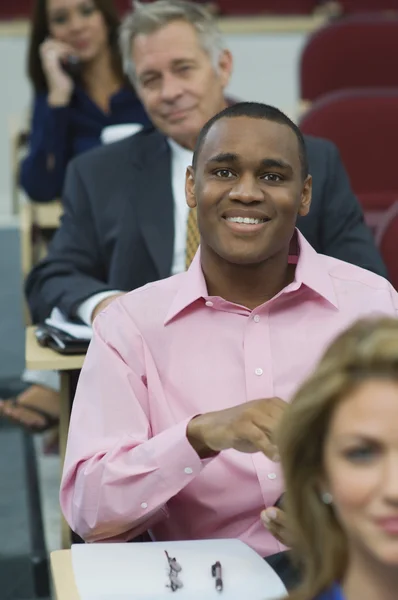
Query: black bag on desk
x=60 y=341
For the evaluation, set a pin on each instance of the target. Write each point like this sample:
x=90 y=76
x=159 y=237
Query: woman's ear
x=190 y=187
x=324 y=491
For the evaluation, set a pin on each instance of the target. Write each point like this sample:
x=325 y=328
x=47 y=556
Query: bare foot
x=38 y=397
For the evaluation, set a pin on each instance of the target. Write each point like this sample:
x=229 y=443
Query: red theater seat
x=363 y=6
x=277 y=7
x=364 y=126
x=355 y=52
x=387 y=241
x=15 y=9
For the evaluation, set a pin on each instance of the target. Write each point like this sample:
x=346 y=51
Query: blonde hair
x=148 y=18
x=369 y=349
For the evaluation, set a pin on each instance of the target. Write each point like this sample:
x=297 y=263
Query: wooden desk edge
x=38 y=358
x=228 y=25
x=62 y=575
x=47 y=216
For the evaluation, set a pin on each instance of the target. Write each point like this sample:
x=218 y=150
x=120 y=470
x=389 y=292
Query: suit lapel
x=153 y=198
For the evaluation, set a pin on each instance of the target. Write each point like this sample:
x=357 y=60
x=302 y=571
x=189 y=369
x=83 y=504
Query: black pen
x=217 y=573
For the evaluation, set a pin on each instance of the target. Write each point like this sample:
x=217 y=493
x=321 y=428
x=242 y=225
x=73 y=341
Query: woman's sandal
x=49 y=420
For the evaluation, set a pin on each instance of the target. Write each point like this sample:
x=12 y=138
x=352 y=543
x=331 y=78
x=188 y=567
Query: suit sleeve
x=344 y=234
x=73 y=269
x=118 y=476
x=43 y=170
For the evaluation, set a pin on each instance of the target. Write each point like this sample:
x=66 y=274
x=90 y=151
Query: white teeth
x=245 y=220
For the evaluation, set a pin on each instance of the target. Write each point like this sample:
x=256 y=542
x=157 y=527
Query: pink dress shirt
x=168 y=351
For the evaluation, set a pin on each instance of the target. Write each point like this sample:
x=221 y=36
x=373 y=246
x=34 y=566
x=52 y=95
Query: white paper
x=139 y=571
x=58 y=320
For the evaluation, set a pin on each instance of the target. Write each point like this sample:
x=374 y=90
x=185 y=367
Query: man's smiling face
x=249 y=189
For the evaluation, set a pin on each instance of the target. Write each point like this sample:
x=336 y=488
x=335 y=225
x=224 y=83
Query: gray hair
x=148 y=18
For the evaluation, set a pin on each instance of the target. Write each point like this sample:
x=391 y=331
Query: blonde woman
x=339 y=449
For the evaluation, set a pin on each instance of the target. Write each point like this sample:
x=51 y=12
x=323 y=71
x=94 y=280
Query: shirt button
x=256 y=318
x=209 y=304
x=259 y=371
x=144 y=505
x=271 y=475
x=188 y=470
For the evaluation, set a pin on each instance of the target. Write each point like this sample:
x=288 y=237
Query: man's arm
x=343 y=233
x=73 y=270
x=117 y=478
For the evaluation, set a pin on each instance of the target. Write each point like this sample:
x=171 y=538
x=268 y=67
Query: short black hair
x=254 y=110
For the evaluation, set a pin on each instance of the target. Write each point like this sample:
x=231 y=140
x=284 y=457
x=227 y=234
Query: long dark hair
x=40 y=31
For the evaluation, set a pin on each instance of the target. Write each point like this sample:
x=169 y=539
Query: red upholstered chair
x=355 y=52
x=363 y=6
x=15 y=9
x=278 y=7
x=364 y=126
x=387 y=240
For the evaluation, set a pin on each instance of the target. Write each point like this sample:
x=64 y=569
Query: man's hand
x=103 y=304
x=248 y=428
x=274 y=520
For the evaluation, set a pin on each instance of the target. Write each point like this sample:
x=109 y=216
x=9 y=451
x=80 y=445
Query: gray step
x=23 y=556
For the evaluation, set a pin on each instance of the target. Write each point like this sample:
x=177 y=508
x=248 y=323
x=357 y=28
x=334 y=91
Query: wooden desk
x=38 y=358
x=47 y=216
x=62 y=575
x=34 y=220
x=228 y=25
x=44 y=359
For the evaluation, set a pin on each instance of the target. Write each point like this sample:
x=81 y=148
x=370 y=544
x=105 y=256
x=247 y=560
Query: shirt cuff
x=86 y=308
x=176 y=463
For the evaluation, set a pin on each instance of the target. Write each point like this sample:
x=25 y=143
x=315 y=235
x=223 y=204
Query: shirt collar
x=310 y=272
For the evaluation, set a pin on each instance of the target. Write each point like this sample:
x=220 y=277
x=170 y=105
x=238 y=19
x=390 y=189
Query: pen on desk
x=216 y=572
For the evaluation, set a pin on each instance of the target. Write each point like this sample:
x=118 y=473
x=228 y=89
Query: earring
x=327 y=498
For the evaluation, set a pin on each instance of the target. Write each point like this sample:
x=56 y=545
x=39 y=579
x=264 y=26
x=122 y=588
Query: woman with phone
x=76 y=73
x=338 y=442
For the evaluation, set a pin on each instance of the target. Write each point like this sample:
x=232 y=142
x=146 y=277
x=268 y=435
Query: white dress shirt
x=181 y=158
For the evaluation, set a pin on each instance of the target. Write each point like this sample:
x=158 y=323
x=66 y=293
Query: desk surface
x=47 y=216
x=38 y=358
x=62 y=574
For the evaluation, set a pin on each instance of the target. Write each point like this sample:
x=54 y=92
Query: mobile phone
x=72 y=65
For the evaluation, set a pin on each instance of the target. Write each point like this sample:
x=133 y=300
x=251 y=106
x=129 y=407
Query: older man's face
x=177 y=82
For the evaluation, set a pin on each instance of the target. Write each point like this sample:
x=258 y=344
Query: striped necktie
x=193 y=237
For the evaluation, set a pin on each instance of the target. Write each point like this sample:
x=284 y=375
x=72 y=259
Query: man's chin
x=244 y=259
x=183 y=133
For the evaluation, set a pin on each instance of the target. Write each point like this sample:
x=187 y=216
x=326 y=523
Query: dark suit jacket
x=118 y=228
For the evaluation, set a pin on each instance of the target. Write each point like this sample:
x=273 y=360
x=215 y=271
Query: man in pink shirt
x=186 y=378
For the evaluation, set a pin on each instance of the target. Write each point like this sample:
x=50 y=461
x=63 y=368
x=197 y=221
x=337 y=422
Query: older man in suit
x=125 y=221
